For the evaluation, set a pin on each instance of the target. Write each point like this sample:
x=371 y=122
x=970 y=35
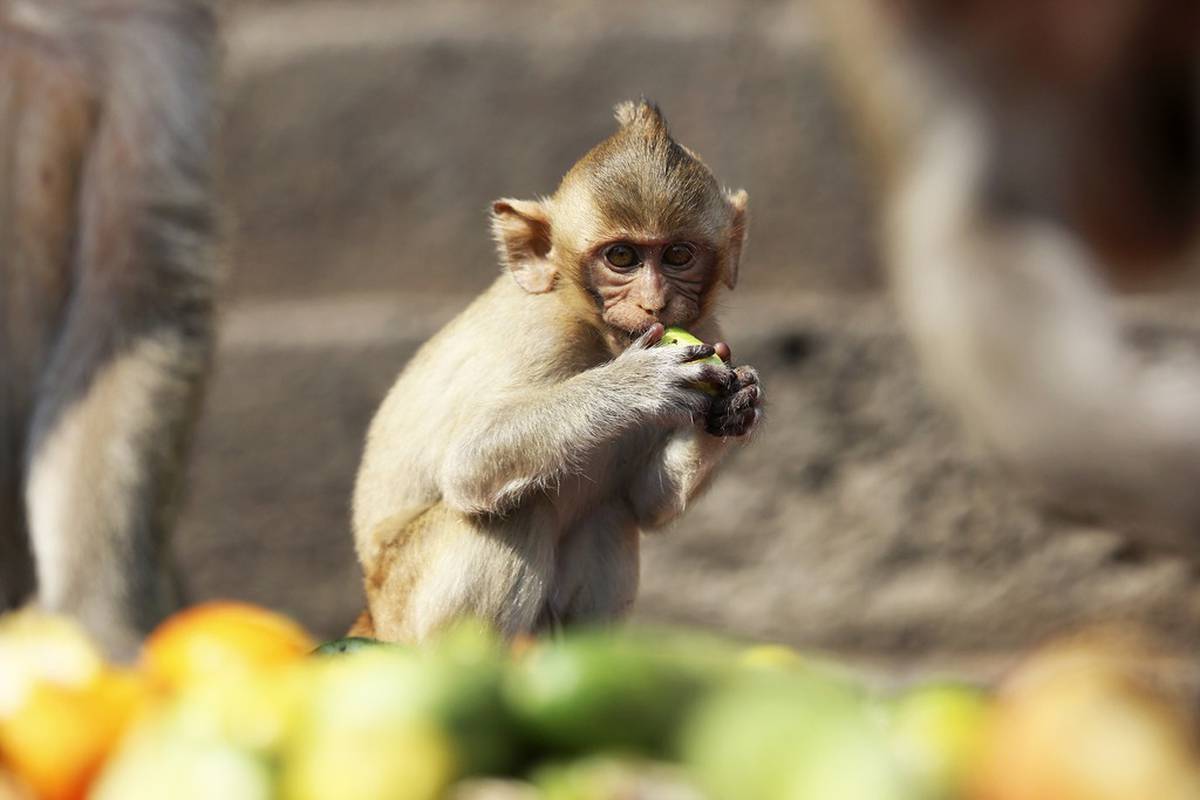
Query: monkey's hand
x=667 y=383
x=738 y=409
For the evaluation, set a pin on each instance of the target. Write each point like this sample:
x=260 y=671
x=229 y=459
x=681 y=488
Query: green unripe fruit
x=677 y=337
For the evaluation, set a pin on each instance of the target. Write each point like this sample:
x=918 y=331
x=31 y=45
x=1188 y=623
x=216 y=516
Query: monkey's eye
x=621 y=256
x=678 y=255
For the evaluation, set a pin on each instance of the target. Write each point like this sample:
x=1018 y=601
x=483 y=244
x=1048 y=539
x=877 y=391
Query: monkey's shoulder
x=509 y=335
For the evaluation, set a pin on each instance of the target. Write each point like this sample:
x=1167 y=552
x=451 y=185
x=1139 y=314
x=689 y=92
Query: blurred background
x=363 y=142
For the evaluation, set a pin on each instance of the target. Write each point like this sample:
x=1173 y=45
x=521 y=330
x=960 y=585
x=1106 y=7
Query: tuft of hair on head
x=634 y=114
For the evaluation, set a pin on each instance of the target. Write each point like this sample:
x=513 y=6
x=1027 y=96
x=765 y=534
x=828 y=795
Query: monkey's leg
x=676 y=472
x=120 y=391
x=598 y=561
x=363 y=626
x=446 y=565
x=104 y=475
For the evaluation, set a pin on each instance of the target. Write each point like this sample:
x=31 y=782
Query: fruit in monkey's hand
x=678 y=337
x=675 y=336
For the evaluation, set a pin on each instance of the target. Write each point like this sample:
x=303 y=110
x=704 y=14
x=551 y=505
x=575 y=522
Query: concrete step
x=365 y=141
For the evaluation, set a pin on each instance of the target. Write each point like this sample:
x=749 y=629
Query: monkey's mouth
x=635 y=333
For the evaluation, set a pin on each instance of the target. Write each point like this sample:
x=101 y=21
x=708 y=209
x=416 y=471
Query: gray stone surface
x=363 y=144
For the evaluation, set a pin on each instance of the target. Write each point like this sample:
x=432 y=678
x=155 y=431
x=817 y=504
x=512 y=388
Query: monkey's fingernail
x=723 y=352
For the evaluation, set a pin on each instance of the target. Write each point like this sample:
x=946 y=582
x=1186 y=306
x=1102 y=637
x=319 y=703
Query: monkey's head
x=638 y=229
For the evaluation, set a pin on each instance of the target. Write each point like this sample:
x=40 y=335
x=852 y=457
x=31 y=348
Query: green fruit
x=158 y=761
x=389 y=760
x=678 y=337
x=791 y=737
x=936 y=733
x=197 y=773
x=349 y=644
x=607 y=777
x=253 y=713
x=467 y=664
x=370 y=730
x=782 y=658
x=452 y=683
x=627 y=692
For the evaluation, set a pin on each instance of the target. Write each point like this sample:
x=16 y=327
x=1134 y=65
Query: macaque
x=512 y=466
x=1036 y=159
x=106 y=291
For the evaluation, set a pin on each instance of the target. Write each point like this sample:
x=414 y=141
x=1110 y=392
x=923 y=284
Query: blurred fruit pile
x=232 y=702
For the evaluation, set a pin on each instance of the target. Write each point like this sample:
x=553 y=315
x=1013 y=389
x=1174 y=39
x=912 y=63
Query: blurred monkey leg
x=103 y=486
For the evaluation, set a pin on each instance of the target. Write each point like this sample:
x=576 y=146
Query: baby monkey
x=512 y=466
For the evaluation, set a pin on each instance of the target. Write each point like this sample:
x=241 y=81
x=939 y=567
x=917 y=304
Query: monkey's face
x=639 y=226
x=640 y=282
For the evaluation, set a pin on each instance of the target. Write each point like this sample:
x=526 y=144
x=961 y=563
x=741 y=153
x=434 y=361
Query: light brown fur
x=106 y=282
x=510 y=468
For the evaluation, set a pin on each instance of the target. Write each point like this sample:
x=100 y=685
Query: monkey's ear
x=737 y=236
x=521 y=229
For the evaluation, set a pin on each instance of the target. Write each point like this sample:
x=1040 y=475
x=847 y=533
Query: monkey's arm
x=677 y=471
x=526 y=441
x=682 y=467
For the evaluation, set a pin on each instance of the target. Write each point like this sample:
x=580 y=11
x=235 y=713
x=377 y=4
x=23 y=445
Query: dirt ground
x=363 y=144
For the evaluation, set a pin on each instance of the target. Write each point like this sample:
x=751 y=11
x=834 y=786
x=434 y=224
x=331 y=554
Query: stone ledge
x=364 y=144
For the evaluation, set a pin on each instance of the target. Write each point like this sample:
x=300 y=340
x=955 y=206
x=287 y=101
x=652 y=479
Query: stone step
x=364 y=142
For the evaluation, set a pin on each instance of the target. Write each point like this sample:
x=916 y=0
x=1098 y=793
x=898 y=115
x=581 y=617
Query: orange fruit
x=222 y=640
x=13 y=789
x=36 y=647
x=58 y=738
x=1086 y=720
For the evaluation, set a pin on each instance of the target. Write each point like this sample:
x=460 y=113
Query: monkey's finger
x=738 y=402
x=720 y=378
x=722 y=425
x=650 y=337
x=693 y=352
x=746 y=375
x=723 y=352
x=729 y=423
x=748 y=422
x=745 y=399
